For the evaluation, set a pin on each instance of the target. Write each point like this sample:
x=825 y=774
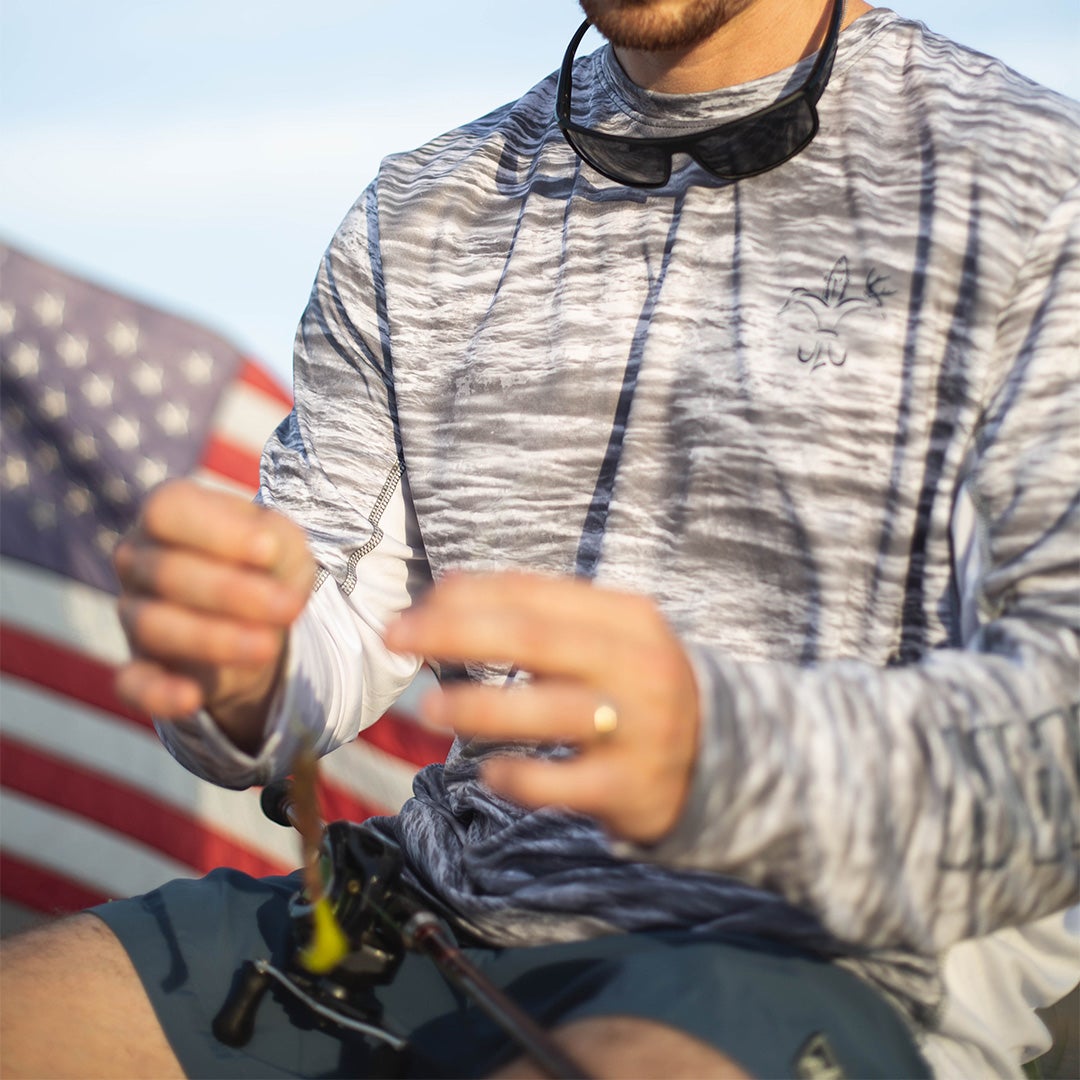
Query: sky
x=198 y=154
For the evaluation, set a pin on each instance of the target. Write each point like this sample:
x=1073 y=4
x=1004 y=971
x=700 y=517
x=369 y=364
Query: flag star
x=7 y=316
x=124 y=431
x=14 y=472
x=106 y=540
x=73 y=349
x=78 y=501
x=198 y=366
x=25 y=360
x=54 y=403
x=43 y=515
x=49 y=309
x=150 y=472
x=173 y=418
x=149 y=379
x=115 y=489
x=98 y=389
x=48 y=457
x=123 y=337
x=84 y=446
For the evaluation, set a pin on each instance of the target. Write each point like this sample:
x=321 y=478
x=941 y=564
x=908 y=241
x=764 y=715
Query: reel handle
x=278 y=803
x=235 y=1021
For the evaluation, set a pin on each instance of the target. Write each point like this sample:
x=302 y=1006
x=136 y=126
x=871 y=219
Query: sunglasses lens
x=625 y=161
x=760 y=143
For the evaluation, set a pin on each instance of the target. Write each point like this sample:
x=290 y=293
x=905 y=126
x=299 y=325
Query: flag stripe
x=35 y=887
x=81 y=850
x=246 y=416
x=64 y=671
x=219 y=483
x=377 y=780
x=54 y=606
x=44 y=664
x=406 y=740
x=132 y=755
x=256 y=376
x=233 y=462
x=123 y=809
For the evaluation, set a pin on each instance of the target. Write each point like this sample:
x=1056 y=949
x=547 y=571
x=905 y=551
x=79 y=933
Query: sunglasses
x=734 y=150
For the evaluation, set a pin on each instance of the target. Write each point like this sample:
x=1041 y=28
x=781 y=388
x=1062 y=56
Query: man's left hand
x=588 y=651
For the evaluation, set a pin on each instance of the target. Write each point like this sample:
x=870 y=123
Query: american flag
x=101 y=398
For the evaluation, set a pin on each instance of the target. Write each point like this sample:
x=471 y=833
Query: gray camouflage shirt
x=825 y=417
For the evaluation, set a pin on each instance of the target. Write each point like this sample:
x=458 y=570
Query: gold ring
x=605 y=719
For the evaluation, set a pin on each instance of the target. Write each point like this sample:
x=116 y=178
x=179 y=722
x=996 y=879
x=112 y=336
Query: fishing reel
x=345 y=941
x=351 y=925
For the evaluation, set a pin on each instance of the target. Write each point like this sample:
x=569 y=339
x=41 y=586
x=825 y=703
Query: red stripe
x=43 y=890
x=64 y=671
x=401 y=737
x=125 y=810
x=231 y=461
x=257 y=376
x=338 y=804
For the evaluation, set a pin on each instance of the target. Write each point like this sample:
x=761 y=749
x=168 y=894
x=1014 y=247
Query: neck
x=764 y=37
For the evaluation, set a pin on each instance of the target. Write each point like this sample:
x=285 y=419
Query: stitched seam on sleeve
x=377 y=511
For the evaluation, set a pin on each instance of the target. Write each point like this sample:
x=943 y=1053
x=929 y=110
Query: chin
x=659 y=25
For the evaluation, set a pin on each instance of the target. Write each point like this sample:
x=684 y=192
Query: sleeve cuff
x=714 y=739
x=198 y=744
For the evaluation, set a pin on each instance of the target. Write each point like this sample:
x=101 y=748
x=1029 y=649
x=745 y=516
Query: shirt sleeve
x=335 y=467
x=924 y=803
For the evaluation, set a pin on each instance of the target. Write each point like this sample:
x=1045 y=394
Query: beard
x=660 y=25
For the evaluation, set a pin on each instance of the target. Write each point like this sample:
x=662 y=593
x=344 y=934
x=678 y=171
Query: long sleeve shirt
x=825 y=417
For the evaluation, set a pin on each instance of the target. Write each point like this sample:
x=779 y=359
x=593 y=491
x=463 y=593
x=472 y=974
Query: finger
x=604 y=786
x=541 y=639
x=154 y=689
x=166 y=632
x=190 y=579
x=547 y=711
x=511 y=638
x=557 y=600
x=584 y=785
x=186 y=514
x=547 y=625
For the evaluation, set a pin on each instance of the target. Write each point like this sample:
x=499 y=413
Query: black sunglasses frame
x=808 y=94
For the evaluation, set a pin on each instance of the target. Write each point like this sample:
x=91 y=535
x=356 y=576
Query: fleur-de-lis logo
x=817 y=316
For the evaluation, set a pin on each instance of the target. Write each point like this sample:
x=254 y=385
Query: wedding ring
x=605 y=719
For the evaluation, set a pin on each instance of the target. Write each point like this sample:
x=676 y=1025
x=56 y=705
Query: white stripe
x=409 y=702
x=82 y=850
x=87 y=737
x=246 y=416
x=209 y=478
x=370 y=774
x=54 y=606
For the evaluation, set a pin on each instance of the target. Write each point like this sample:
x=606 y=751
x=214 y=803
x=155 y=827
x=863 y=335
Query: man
x=744 y=494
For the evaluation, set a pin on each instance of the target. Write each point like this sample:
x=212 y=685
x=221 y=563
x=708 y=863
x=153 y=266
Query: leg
x=72 y=1006
x=618 y=1046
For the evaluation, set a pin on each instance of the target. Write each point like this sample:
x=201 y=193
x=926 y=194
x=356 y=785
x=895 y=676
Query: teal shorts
x=777 y=1011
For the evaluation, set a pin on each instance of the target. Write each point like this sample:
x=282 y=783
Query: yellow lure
x=328 y=945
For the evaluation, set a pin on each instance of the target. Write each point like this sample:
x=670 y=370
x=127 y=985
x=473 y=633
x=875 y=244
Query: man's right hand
x=210 y=583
